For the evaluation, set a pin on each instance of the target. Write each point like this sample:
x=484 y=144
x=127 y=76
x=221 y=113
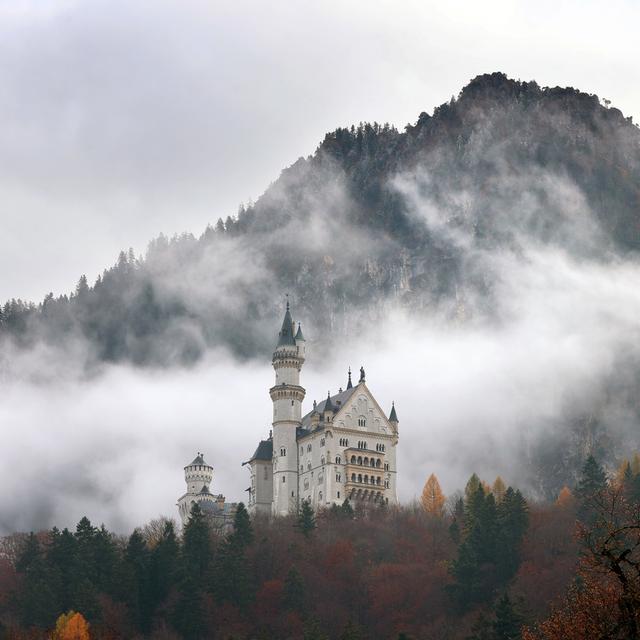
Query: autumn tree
x=432 y=497
x=71 y=626
x=565 y=497
x=498 y=489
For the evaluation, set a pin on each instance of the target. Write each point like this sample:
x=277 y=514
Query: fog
x=122 y=120
x=470 y=397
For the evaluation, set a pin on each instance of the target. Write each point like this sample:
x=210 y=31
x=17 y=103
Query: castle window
x=360 y=460
x=378 y=463
x=338 y=494
x=353 y=477
x=322 y=442
x=338 y=477
x=284 y=478
x=308 y=447
x=373 y=462
x=353 y=459
x=320 y=479
x=338 y=460
x=322 y=461
x=308 y=466
x=320 y=496
x=386 y=466
x=362 y=421
x=283 y=452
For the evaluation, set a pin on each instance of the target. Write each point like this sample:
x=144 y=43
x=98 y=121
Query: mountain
x=446 y=219
x=352 y=226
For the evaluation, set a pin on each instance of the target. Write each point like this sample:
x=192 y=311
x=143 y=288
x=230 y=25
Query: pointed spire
x=299 y=336
x=328 y=405
x=393 y=416
x=349 y=384
x=285 y=337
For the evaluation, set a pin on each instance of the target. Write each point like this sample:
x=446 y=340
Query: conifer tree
x=136 y=585
x=294 y=592
x=165 y=566
x=592 y=481
x=508 y=622
x=196 y=545
x=306 y=519
x=432 y=497
x=471 y=487
x=242 y=529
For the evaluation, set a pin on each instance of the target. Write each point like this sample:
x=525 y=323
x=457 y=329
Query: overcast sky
x=121 y=120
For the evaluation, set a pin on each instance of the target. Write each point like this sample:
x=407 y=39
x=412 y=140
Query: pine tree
x=508 y=622
x=196 y=545
x=471 y=487
x=136 y=585
x=432 y=497
x=592 y=481
x=347 y=509
x=294 y=591
x=242 y=529
x=306 y=519
x=165 y=565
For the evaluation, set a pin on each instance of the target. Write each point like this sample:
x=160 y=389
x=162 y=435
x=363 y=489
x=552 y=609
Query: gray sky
x=119 y=120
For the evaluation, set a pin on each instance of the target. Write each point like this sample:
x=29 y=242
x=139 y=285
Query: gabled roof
x=338 y=401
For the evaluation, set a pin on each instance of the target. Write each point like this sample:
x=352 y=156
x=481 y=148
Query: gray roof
x=205 y=489
x=285 y=337
x=213 y=508
x=264 y=451
x=198 y=460
x=338 y=401
x=393 y=416
x=299 y=335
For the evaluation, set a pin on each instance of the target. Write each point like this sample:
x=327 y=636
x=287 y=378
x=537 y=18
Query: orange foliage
x=565 y=497
x=71 y=626
x=498 y=489
x=432 y=497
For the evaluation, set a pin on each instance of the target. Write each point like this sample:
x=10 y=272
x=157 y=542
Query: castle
x=344 y=448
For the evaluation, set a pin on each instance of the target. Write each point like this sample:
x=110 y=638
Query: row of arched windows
x=380 y=447
x=365 y=479
x=362 y=444
x=367 y=462
x=344 y=442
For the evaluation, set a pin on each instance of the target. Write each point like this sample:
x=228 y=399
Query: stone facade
x=198 y=476
x=345 y=448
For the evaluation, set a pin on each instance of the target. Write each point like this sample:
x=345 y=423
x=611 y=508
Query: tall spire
x=393 y=416
x=349 y=383
x=285 y=337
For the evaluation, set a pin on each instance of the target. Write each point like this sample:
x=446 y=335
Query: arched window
x=353 y=477
x=322 y=460
x=338 y=460
x=366 y=479
x=359 y=477
x=353 y=459
x=366 y=461
x=284 y=478
x=378 y=463
x=283 y=452
x=373 y=462
x=378 y=480
x=320 y=496
x=360 y=460
x=362 y=421
x=308 y=447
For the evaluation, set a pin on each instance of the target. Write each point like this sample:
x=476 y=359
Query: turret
x=287 y=396
x=198 y=474
x=329 y=409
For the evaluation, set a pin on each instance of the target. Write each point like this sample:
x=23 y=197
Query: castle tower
x=287 y=396
x=198 y=476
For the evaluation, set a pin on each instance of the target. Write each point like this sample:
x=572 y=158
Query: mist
x=470 y=397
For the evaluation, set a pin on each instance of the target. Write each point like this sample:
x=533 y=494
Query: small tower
x=198 y=476
x=287 y=396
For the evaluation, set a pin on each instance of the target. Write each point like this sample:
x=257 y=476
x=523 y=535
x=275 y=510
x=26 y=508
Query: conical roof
x=349 y=383
x=199 y=459
x=393 y=416
x=328 y=405
x=285 y=337
x=299 y=335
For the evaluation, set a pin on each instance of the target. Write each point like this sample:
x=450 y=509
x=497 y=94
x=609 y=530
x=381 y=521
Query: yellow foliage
x=565 y=497
x=635 y=464
x=472 y=486
x=71 y=626
x=432 y=497
x=499 y=489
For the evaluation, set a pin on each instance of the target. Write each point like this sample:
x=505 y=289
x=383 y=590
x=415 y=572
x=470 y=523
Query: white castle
x=345 y=448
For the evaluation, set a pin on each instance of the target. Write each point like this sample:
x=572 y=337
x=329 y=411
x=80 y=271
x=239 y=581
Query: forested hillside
x=482 y=565
x=375 y=217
